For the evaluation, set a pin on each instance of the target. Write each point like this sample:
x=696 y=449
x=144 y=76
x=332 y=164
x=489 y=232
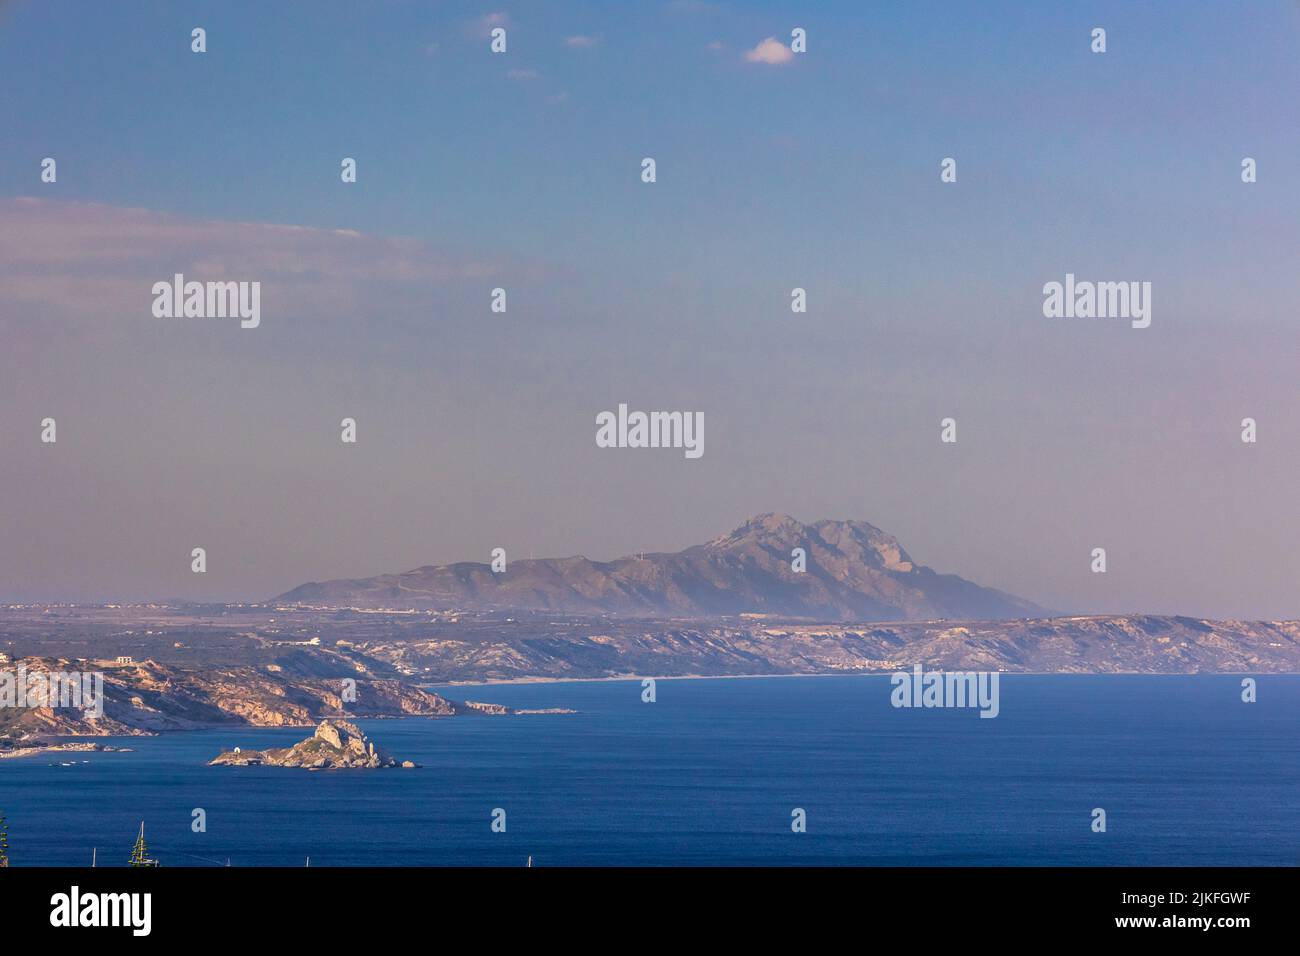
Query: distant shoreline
x=506 y=681
x=79 y=743
x=75 y=747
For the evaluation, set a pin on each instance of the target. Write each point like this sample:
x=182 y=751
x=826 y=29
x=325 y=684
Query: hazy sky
x=522 y=170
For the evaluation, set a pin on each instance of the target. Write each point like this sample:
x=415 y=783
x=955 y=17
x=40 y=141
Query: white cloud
x=770 y=51
x=521 y=74
x=581 y=42
x=486 y=24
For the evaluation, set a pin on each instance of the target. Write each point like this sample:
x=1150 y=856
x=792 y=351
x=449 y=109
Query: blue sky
x=451 y=147
x=477 y=170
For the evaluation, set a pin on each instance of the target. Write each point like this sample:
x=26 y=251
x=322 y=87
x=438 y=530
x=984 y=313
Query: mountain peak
x=849 y=540
x=767 y=524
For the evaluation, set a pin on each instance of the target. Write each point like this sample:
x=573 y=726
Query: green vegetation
x=140 y=852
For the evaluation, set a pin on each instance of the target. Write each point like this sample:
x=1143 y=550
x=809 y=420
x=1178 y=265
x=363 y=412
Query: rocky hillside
x=1136 y=644
x=336 y=745
x=855 y=572
x=148 y=697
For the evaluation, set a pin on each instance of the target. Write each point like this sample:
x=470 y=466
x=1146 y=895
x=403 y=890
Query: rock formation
x=336 y=745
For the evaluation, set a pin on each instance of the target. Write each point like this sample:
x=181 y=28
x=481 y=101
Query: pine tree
x=140 y=853
x=4 y=840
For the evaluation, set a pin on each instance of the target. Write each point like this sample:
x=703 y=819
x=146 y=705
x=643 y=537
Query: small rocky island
x=34 y=747
x=336 y=745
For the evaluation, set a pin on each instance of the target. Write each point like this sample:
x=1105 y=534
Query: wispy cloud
x=75 y=260
x=581 y=42
x=771 y=51
x=521 y=74
x=489 y=22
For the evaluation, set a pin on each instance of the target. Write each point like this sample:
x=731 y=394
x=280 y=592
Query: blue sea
x=710 y=773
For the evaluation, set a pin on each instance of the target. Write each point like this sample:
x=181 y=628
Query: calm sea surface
x=709 y=774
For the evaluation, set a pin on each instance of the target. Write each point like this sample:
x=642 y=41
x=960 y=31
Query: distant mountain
x=855 y=572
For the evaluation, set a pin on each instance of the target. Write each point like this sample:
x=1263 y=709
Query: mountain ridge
x=854 y=572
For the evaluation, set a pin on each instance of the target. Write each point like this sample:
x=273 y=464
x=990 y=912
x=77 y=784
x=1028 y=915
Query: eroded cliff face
x=148 y=697
x=336 y=745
